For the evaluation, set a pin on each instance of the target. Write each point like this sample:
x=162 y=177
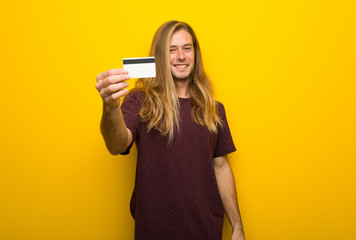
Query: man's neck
x=182 y=87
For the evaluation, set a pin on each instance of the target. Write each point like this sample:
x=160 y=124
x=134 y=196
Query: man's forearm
x=114 y=131
x=227 y=188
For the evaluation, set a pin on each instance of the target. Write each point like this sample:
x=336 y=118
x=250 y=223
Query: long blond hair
x=161 y=104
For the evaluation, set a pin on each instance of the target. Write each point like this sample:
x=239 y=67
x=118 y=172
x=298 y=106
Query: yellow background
x=285 y=71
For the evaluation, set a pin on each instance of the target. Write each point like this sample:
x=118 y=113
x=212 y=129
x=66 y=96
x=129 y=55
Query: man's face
x=182 y=55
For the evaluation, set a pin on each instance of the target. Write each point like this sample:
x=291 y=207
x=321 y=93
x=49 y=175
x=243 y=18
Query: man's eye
x=188 y=49
x=171 y=50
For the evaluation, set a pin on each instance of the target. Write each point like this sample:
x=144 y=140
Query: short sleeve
x=130 y=108
x=224 y=142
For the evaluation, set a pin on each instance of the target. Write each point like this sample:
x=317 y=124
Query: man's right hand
x=112 y=86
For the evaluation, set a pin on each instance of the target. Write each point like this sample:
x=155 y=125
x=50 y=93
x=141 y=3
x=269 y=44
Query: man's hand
x=237 y=235
x=111 y=86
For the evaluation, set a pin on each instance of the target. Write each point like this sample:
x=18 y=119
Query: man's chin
x=181 y=78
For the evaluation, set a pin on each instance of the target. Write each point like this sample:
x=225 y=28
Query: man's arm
x=116 y=135
x=111 y=86
x=226 y=183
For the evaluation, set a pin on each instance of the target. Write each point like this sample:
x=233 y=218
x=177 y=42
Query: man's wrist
x=111 y=107
x=237 y=235
x=237 y=227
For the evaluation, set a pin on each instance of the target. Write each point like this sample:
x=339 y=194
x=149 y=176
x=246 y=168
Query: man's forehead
x=181 y=38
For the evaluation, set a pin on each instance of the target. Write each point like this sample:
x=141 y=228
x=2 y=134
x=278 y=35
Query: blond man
x=184 y=182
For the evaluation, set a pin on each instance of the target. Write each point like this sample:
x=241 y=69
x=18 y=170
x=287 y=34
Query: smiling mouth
x=181 y=66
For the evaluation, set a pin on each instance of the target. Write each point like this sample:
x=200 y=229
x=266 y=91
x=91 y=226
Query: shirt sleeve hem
x=223 y=153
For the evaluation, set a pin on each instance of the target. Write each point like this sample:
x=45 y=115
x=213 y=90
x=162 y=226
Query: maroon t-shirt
x=176 y=194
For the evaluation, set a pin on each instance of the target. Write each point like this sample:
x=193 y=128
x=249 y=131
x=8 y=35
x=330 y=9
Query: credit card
x=143 y=67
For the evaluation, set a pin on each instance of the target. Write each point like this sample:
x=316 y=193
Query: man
x=184 y=181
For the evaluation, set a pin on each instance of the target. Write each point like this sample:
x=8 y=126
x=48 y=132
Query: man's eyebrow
x=185 y=45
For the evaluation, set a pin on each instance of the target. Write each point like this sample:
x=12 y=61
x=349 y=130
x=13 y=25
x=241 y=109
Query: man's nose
x=180 y=53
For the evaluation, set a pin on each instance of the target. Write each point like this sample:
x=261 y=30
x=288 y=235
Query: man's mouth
x=181 y=66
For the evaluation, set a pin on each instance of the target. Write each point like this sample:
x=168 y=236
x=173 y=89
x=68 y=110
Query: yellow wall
x=285 y=71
